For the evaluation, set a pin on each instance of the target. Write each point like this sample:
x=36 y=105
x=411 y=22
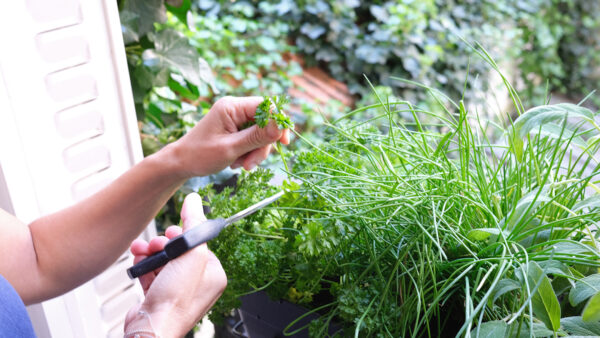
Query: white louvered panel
x=66 y=111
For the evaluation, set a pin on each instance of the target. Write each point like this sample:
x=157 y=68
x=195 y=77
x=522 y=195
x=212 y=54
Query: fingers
x=173 y=231
x=285 y=138
x=192 y=213
x=139 y=247
x=254 y=137
x=239 y=109
x=239 y=162
x=157 y=243
x=255 y=157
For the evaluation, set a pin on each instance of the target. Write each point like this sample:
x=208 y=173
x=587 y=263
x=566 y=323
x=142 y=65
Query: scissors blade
x=253 y=208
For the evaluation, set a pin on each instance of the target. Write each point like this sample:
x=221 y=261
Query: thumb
x=192 y=213
x=252 y=138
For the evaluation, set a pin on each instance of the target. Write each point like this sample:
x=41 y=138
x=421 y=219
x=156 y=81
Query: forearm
x=77 y=243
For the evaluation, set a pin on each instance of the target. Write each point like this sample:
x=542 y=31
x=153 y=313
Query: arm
x=63 y=250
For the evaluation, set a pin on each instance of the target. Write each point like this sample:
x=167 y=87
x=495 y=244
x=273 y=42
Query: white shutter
x=67 y=128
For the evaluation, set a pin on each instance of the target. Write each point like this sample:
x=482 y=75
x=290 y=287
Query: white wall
x=67 y=128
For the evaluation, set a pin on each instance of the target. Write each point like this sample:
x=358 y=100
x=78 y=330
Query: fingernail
x=251 y=166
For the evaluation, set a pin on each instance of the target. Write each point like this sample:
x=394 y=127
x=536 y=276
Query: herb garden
x=425 y=210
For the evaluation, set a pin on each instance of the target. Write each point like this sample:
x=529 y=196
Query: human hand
x=218 y=141
x=179 y=294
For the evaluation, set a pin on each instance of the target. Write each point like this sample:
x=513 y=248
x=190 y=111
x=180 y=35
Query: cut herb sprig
x=272 y=108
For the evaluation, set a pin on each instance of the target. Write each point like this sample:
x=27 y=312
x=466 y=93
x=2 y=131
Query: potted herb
x=450 y=225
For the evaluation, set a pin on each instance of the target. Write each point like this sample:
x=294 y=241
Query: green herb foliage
x=272 y=108
x=431 y=228
x=545 y=40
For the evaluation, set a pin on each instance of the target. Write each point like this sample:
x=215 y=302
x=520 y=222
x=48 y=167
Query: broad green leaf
x=148 y=12
x=584 y=289
x=179 y=8
x=129 y=26
x=555 y=268
x=504 y=286
x=535 y=238
x=544 y=302
x=313 y=31
x=540 y=116
x=482 y=233
x=591 y=202
x=178 y=84
x=173 y=51
x=572 y=248
x=562 y=285
x=556 y=131
x=526 y=205
x=538 y=330
x=207 y=75
x=591 y=312
x=496 y=328
x=148 y=79
x=577 y=327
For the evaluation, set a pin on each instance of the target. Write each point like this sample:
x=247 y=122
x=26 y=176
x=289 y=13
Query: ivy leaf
x=207 y=75
x=312 y=31
x=352 y=3
x=173 y=51
x=149 y=77
x=584 y=289
x=148 y=12
x=179 y=8
x=380 y=13
x=591 y=312
x=129 y=26
x=545 y=304
x=285 y=6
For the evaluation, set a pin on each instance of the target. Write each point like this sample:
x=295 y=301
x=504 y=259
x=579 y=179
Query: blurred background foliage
x=185 y=54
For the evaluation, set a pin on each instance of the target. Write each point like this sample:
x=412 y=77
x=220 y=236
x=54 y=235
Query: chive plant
x=449 y=225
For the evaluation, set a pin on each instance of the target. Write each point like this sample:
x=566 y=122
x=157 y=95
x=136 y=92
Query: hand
x=218 y=141
x=179 y=294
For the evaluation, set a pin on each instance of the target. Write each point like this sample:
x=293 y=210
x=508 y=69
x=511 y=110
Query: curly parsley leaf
x=272 y=108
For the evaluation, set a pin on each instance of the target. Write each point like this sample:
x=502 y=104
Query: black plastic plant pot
x=265 y=318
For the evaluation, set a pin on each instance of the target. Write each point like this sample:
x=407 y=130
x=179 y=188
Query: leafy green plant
x=559 y=44
x=416 y=40
x=546 y=40
x=430 y=227
x=246 y=55
x=272 y=108
x=155 y=53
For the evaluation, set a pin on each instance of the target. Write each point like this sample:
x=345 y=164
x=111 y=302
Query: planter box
x=261 y=317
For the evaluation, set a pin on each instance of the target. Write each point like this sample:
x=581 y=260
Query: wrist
x=170 y=159
x=162 y=320
x=139 y=324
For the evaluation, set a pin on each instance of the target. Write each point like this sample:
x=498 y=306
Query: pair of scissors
x=190 y=239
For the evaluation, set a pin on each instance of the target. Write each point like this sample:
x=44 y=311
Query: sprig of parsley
x=271 y=108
